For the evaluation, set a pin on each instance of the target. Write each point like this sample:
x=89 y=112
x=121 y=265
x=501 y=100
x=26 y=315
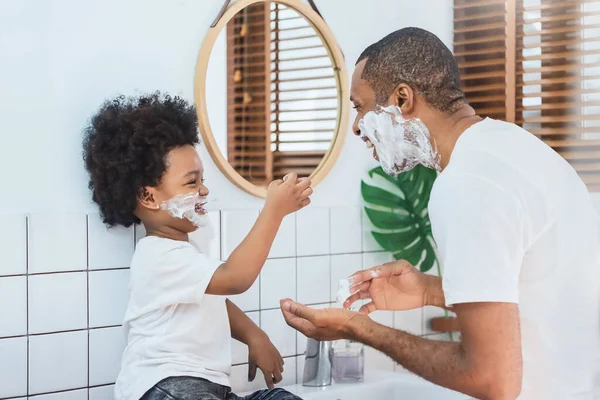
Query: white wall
x=61 y=58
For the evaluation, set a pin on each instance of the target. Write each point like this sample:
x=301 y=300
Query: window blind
x=284 y=104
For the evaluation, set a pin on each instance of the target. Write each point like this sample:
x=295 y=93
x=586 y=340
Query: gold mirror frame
x=339 y=67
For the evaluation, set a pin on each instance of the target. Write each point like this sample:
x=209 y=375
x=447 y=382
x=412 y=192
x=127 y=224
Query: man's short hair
x=419 y=59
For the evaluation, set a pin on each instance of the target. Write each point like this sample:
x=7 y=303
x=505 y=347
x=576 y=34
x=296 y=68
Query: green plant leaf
x=376 y=196
x=389 y=220
x=393 y=241
x=401 y=221
x=412 y=254
x=430 y=258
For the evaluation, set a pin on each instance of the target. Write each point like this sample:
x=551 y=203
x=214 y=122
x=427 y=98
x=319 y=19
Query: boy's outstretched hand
x=264 y=355
x=288 y=195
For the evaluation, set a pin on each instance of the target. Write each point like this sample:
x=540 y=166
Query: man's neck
x=446 y=129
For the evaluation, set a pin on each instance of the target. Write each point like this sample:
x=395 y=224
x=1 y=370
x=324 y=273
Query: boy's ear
x=146 y=198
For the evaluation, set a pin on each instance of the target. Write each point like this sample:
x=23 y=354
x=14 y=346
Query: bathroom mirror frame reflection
x=341 y=96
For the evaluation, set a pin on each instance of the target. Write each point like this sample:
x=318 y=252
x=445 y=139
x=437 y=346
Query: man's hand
x=264 y=355
x=325 y=325
x=394 y=286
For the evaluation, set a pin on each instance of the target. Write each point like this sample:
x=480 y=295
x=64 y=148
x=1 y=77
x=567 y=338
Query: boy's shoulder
x=152 y=249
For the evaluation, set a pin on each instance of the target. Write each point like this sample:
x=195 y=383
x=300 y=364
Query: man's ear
x=404 y=97
x=146 y=198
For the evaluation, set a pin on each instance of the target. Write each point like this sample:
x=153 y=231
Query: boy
x=144 y=168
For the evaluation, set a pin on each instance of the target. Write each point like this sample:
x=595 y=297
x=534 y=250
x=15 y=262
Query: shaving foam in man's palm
x=401 y=144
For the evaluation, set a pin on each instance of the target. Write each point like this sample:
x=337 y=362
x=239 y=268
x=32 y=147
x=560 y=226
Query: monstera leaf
x=397 y=208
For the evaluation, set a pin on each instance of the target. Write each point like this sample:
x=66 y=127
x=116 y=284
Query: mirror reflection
x=272 y=93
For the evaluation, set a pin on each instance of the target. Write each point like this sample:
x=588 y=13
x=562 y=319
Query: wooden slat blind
x=550 y=83
x=248 y=85
x=283 y=108
x=480 y=51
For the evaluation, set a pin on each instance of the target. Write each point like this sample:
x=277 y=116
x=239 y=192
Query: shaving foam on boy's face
x=400 y=143
x=189 y=206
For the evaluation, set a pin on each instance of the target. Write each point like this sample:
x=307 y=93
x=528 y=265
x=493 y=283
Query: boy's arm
x=261 y=352
x=243 y=329
x=240 y=271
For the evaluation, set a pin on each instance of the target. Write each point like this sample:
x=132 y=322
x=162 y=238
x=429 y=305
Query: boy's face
x=184 y=175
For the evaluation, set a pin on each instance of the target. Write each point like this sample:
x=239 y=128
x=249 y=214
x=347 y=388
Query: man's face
x=363 y=99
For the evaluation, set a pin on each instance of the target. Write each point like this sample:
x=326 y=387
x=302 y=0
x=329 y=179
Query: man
x=517 y=235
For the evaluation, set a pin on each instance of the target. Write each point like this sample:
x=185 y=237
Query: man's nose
x=355 y=128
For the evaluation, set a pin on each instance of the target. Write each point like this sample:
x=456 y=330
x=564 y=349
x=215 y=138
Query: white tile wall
x=277 y=281
x=13 y=245
x=74 y=312
x=371 y=260
x=13 y=313
x=13 y=367
x=81 y=394
x=300 y=360
x=57 y=242
x=108 y=247
x=282 y=336
x=314 y=274
x=289 y=372
x=106 y=348
x=108 y=297
x=102 y=393
x=58 y=362
x=57 y=302
x=312 y=231
x=235 y=225
x=285 y=242
x=346 y=230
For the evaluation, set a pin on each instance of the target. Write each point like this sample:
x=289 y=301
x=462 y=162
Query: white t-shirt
x=173 y=328
x=514 y=223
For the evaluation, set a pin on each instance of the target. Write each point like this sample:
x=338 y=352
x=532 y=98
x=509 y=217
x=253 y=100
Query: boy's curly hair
x=125 y=148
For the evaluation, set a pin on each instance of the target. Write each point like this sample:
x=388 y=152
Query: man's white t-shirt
x=514 y=223
x=173 y=328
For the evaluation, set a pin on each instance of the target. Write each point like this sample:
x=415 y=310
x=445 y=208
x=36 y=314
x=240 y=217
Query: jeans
x=190 y=388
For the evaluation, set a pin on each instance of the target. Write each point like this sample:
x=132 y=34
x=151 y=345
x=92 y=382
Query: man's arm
x=486 y=364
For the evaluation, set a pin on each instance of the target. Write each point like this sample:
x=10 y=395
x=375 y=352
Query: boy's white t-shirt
x=514 y=223
x=173 y=328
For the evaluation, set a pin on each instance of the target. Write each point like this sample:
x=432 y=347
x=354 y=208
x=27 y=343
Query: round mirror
x=271 y=93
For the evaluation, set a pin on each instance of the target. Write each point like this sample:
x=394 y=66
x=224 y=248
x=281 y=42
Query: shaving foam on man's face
x=401 y=144
x=189 y=206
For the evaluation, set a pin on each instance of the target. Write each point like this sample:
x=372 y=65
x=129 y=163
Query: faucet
x=317 y=367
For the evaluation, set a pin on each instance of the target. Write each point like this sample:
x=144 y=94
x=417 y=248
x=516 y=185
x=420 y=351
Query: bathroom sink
x=379 y=385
